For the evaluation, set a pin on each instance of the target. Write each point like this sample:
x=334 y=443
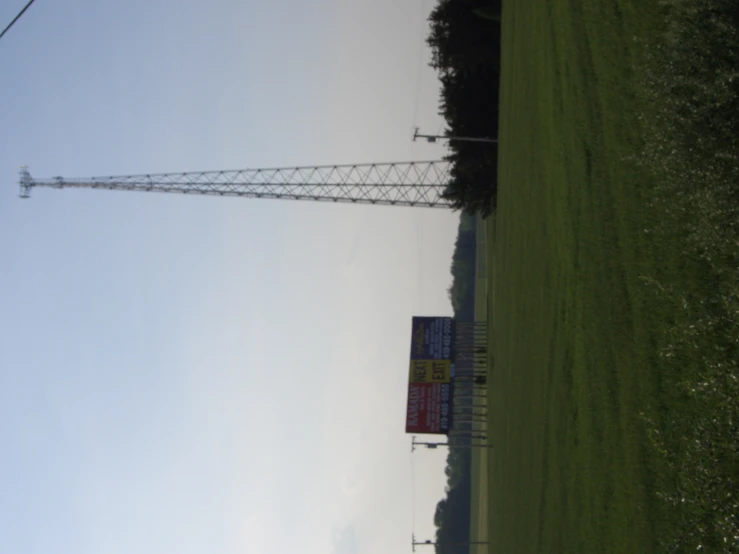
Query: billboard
x=431 y=376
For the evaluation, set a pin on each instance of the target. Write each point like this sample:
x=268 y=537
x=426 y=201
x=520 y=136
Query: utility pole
x=415 y=543
x=452 y=138
x=434 y=445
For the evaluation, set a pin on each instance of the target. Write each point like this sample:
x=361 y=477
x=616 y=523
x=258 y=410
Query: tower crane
x=416 y=184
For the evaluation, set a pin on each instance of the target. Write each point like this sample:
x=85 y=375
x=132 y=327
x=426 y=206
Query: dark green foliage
x=693 y=146
x=462 y=291
x=466 y=53
x=461 y=41
x=453 y=515
x=489 y=14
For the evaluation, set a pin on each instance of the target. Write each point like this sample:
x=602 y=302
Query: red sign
x=428 y=408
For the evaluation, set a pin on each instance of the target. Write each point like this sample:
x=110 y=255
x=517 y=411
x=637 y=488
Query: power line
x=452 y=138
x=17 y=17
x=413 y=495
x=419 y=65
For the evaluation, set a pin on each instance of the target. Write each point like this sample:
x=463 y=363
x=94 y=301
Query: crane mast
x=417 y=184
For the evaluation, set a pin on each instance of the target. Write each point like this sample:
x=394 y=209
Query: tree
x=466 y=53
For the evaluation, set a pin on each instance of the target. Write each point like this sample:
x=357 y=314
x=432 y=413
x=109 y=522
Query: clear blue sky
x=190 y=375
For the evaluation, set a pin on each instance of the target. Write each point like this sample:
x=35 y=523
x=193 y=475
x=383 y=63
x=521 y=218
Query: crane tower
x=417 y=184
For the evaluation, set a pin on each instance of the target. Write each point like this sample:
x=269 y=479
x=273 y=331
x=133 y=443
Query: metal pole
x=453 y=543
x=433 y=138
x=433 y=445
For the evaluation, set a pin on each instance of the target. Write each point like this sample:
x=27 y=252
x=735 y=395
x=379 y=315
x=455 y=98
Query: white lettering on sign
x=413 y=407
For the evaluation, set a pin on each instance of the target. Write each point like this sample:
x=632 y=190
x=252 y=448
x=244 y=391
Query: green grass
x=479 y=457
x=597 y=276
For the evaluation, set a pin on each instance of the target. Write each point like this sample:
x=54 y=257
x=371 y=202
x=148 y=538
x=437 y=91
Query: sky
x=188 y=374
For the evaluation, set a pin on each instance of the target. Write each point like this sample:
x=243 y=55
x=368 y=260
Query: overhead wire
x=419 y=68
x=17 y=17
x=419 y=65
x=419 y=262
x=413 y=495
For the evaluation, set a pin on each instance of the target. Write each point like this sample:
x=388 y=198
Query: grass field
x=579 y=258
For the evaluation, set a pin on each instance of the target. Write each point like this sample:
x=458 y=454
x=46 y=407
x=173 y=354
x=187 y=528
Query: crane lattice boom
x=399 y=184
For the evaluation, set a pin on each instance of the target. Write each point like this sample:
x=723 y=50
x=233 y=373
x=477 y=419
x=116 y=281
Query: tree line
x=462 y=290
x=465 y=43
x=452 y=515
